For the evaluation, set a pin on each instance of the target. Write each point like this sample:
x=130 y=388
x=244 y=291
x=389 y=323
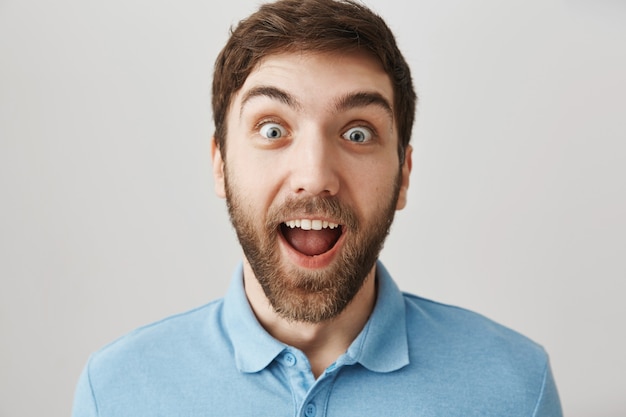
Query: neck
x=322 y=342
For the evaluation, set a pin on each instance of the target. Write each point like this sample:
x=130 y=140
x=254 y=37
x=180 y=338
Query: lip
x=311 y=262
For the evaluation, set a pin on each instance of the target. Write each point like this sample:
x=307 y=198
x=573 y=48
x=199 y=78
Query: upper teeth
x=307 y=224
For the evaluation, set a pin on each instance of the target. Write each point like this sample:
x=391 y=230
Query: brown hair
x=311 y=25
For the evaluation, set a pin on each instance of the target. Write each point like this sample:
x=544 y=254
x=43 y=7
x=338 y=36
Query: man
x=313 y=107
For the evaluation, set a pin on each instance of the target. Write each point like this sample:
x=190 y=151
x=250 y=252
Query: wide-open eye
x=358 y=134
x=272 y=131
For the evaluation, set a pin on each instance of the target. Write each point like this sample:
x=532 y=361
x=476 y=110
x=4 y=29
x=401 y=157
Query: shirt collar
x=381 y=346
x=254 y=347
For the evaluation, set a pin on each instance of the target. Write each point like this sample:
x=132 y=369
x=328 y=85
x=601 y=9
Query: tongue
x=311 y=242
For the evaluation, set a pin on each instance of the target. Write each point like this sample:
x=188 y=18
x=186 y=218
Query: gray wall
x=108 y=219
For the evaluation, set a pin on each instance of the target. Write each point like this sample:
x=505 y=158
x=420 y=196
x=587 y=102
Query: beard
x=307 y=295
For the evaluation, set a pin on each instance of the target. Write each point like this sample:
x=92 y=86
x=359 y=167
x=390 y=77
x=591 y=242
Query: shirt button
x=290 y=359
x=309 y=410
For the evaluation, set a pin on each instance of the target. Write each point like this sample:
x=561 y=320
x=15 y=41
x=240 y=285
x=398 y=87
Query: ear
x=218 y=169
x=404 y=182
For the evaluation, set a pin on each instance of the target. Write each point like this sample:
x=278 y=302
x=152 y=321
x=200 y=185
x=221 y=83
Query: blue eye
x=358 y=135
x=272 y=131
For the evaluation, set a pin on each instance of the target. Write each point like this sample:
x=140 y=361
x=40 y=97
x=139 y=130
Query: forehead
x=317 y=77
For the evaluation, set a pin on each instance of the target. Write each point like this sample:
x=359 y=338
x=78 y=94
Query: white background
x=108 y=219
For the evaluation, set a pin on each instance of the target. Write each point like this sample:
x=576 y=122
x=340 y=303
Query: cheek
x=376 y=179
x=254 y=184
x=372 y=191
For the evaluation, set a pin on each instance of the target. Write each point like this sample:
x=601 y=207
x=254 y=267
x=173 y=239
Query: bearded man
x=313 y=106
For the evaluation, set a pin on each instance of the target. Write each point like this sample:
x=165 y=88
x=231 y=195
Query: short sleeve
x=84 y=401
x=549 y=404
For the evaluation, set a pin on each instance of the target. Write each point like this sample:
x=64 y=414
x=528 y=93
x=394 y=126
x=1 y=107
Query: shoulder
x=460 y=363
x=159 y=366
x=466 y=326
x=466 y=344
x=161 y=339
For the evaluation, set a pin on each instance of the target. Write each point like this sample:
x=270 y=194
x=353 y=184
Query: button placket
x=308 y=393
x=310 y=410
x=290 y=359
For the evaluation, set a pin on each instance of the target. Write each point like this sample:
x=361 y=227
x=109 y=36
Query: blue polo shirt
x=414 y=357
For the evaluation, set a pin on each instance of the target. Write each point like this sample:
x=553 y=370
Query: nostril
x=322 y=193
x=322 y=181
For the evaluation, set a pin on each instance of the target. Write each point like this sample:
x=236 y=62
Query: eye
x=358 y=134
x=272 y=131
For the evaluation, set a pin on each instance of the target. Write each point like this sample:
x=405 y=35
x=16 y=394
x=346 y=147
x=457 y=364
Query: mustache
x=328 y=207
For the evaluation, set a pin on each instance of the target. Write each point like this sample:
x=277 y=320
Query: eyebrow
x=269 y=92
x=363 y=99
x=344 y=103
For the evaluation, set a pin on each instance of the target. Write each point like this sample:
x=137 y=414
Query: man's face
x=312 y=177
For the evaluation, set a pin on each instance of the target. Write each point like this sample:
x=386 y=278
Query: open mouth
x=311 y=237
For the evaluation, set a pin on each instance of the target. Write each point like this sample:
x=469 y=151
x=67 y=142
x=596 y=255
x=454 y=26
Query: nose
x=314 y=165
